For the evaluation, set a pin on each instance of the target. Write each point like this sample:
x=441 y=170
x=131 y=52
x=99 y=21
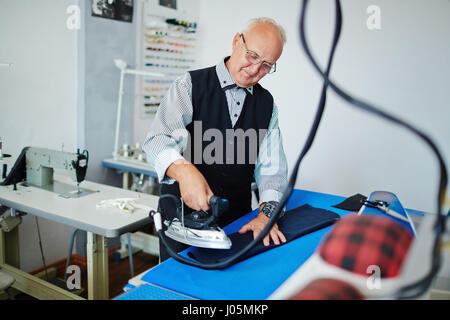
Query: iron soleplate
x=213 y=239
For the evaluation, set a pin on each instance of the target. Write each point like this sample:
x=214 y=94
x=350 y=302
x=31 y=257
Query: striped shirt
x=168 y=136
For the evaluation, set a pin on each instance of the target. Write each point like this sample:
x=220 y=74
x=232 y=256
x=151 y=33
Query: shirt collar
x=225 y=79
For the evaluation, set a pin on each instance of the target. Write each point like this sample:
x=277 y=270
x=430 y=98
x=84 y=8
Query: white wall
x=401 y=68
x=104 y=41
x=38 y=99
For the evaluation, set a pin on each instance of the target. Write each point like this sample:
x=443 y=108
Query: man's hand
x=258 y=224
x=194 y=189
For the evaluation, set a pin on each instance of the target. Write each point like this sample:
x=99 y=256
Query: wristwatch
x=269 y=208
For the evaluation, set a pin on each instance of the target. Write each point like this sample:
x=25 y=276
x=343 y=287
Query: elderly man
x=220 y=99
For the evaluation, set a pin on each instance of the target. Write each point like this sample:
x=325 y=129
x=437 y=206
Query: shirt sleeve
x=168 y=136
x=271 y=164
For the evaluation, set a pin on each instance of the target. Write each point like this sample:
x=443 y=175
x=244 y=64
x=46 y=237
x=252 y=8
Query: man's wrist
x=268 y=208
x=162 y=163
x=261 y=206
x=177 y=168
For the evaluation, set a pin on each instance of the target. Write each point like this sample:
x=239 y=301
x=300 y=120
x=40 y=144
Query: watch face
x=269 y=208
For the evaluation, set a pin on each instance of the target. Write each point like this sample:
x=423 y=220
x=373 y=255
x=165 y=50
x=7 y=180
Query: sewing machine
x=36 y=166
x=26 y=190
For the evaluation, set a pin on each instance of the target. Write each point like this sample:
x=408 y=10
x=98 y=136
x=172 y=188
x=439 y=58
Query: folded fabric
x=353 y=203
x=295 y=223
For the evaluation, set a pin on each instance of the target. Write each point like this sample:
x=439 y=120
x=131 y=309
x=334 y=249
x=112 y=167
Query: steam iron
x=198 y=228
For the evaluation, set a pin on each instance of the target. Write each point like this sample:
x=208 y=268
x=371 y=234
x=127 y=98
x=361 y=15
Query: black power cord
x=291 y=182
x=416 y=288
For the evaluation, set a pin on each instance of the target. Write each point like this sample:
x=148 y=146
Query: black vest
x=225 y=155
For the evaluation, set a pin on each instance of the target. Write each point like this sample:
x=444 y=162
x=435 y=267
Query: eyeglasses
x=254 y=58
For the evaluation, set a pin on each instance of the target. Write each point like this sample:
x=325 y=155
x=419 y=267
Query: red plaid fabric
x=357 y=242
x=328 y=289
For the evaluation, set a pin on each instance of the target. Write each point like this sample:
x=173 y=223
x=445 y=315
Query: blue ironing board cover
x=150 y=292
x=252 y=279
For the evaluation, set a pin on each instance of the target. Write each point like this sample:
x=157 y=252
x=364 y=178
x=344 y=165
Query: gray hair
x=251 y=23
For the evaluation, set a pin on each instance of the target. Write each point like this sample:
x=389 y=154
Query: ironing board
x=253 y=279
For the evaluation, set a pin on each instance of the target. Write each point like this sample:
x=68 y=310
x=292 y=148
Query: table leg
x=2 y=247
x=97 y=263
x=24 y=282
x=9 y=248
x=126 y=178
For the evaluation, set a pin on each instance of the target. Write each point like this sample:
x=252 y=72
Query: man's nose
x=254 y=68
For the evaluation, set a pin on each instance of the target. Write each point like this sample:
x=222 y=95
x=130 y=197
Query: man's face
x=263 y=40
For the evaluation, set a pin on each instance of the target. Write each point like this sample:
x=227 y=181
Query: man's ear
x=236 y=39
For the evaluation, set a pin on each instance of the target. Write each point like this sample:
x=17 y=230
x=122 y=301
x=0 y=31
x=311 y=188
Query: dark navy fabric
x=353 y=203
x=295 y=223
